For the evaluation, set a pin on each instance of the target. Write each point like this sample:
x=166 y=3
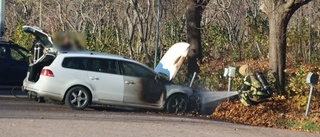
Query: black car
x=13 y=63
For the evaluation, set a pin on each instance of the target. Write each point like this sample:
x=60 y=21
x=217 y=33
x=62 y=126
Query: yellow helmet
x=244 y=70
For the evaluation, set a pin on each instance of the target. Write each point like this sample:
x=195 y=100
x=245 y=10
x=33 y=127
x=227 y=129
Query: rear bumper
x=43 y=88
x=23 y=89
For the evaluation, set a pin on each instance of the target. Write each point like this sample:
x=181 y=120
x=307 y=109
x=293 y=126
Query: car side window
x=2 y=52
x=105 y=66
x=132 y=69
x=75 y=63
x=17 y=55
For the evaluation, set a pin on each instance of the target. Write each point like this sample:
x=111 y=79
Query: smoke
x=210 y=100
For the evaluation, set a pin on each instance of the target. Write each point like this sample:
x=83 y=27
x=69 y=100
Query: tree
x=279 y=13
x=233 y=14
x=193 y=17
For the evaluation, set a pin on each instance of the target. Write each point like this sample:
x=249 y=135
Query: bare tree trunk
x=279 y=13
x=193 y=18
x=277 y=48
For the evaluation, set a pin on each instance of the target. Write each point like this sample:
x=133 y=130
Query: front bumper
x=194 y=103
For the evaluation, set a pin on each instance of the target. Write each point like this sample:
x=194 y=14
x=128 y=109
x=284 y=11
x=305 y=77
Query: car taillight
x=47 y=72
x=44 y=31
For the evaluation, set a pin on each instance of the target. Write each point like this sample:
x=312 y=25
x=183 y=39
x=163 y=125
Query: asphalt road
x=24 y=118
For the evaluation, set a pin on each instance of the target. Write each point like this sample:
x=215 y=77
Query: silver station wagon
x=79 y=78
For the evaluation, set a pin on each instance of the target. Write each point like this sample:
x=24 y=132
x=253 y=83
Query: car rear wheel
x=177 y=104
x=41 y=100
x=30 y=96
x=77 y=98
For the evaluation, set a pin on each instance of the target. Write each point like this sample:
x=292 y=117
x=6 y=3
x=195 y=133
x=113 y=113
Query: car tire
x=30 y=96
x=35 y=98
x=41 y=100
x=77 y=98
x=177 y=104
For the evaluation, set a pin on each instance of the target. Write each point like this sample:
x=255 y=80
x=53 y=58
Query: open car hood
x=40 y=34
x=173 y=59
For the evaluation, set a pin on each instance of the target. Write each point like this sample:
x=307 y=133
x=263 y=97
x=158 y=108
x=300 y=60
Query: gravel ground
x=21 y=117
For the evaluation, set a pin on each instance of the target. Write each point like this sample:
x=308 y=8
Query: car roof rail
x=7 y=41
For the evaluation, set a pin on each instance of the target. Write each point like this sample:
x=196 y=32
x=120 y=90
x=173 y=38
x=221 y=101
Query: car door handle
x=93 y=78
x=129 y=82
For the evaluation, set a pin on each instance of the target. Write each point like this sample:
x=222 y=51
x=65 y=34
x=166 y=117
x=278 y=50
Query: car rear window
x=75 y=63
x=43 y=38
x=18 y=54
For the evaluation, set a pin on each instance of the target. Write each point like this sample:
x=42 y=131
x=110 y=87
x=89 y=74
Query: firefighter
x=250 y=91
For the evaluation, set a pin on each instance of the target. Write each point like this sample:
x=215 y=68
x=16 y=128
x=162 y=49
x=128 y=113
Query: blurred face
x=66 y=40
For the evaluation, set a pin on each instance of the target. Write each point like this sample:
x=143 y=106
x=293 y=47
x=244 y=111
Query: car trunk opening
x=35 y=69
x=40 y=35
x=42 y=42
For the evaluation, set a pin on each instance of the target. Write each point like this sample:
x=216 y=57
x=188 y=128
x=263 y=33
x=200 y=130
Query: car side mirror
x=2 y=52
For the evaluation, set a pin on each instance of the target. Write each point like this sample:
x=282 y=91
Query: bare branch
x=293 y=5
x=289 y=4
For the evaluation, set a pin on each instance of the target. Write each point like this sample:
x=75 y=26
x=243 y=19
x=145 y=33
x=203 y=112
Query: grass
x=302 y=124
x=305 y=125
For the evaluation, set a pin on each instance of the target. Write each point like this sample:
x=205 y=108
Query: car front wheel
x=77 y=98
x=177 y=104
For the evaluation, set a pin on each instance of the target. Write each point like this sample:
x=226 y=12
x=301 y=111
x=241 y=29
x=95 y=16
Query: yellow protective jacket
x=251 y=85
